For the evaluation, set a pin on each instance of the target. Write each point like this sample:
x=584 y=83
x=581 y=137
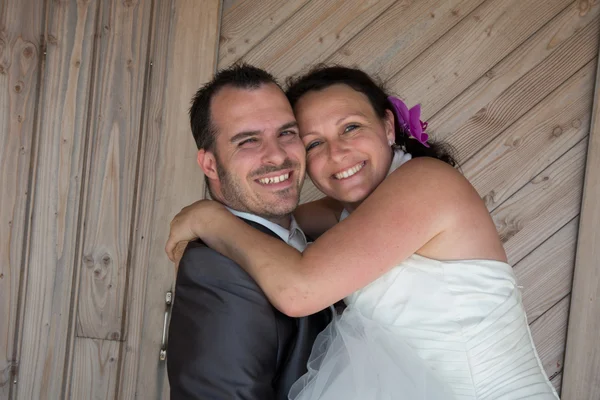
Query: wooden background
x=97 y=156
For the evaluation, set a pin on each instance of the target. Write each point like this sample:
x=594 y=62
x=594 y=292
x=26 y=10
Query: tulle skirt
x=357 y=358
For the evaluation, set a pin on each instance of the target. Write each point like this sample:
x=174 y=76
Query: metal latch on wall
x=163 y=343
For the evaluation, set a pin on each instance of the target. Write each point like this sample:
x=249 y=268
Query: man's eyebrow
x=244 y=135
x=291 y=124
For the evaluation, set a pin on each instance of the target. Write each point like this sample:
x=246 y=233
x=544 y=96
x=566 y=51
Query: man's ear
x=208 y=164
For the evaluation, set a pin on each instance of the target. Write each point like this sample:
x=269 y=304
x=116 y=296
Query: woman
x=433 y=310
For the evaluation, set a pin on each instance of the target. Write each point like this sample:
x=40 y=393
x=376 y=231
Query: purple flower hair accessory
x=410 y=120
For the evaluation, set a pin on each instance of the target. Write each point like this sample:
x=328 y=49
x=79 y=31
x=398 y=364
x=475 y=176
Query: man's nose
x=274 y=153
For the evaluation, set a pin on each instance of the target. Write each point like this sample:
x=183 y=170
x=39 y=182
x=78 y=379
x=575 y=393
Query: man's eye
x=350 y=128
x=247 y=141
x=287 y=133
x=312 y=145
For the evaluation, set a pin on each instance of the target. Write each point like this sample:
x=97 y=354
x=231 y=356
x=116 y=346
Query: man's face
x=259 y=158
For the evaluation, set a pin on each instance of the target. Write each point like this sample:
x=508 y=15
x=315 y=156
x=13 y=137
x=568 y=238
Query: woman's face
x=347 y=144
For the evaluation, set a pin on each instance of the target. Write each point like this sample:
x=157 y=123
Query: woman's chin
x=354 y=196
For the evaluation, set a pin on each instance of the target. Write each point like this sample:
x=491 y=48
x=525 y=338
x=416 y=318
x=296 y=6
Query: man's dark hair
x=242 y=76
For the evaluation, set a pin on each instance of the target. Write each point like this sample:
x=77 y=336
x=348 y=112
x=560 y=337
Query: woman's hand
x=190 y=223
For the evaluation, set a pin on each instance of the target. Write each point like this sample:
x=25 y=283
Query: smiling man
x=226 y=341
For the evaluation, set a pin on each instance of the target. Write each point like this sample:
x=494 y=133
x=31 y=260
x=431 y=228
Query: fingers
x=170 y=247
x=178 y=252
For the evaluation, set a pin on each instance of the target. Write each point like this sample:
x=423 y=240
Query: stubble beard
x=237 y=198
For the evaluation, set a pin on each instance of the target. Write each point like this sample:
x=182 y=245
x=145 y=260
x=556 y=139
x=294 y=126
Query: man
x=226 y=341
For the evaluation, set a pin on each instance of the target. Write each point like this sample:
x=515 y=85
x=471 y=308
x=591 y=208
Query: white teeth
x=275 y=179
x=349 y=172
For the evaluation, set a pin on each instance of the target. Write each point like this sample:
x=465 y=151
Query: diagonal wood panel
x=549 y=333
x=313 y=33
x=553 y=126
x=21 y=50
x=400 y=34
x=520 y=81
x=543 y=206
x=546 y=274
x=468 y=50
x=249 y=23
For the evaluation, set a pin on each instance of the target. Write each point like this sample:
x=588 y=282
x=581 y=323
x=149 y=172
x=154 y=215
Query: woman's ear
x=208 y=164
x=389 y=125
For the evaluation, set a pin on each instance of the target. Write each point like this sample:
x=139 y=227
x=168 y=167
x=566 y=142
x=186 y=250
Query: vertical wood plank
x=20 y=51
x=59 y=173
x=582 y=363
x=114 y=135
x=184 y=56
x=94 y=369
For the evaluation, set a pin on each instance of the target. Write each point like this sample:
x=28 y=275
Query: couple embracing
x=430 y=308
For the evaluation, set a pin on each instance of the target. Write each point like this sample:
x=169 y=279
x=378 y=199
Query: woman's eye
x=350 y=128
x=312 y=145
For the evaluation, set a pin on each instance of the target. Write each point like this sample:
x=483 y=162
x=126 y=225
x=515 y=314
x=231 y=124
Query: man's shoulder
x=200 y=260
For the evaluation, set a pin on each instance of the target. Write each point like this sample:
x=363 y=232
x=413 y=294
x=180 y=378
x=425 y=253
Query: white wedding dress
x=429 y=330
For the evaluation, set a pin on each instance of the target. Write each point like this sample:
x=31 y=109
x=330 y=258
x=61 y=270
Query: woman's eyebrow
x=355 y=114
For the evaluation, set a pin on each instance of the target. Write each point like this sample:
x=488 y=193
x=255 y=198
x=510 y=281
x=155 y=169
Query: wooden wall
x=509 y=83
x=96 y=158
x=96 y=154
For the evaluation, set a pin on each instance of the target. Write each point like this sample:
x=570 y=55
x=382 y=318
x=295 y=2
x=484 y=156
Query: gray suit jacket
x=226 y=341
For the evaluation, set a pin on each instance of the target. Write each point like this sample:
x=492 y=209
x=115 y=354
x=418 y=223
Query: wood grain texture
x=400 y=34
x=313 y=33
x=249 y=23
x=557 y=383
x=94 y=369
x=580 y=379
x=20 y=51
x=552 y=127
x=114 y=136
x=60 y=174
x=549 y=333
x=183 y=58
x=520 y=81
x=468 y=50
x=546 y=274
x=542 y=206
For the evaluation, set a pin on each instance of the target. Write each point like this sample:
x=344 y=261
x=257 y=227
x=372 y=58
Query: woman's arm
x=413 y=205
x=316 y=217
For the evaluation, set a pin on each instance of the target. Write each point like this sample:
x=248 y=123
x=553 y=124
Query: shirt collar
x=293 y=236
